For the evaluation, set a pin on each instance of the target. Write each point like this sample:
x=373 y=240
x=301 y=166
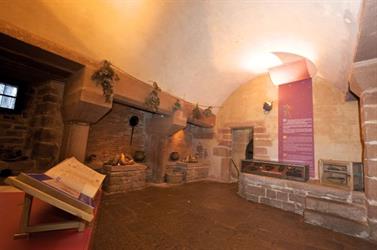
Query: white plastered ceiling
x=198 y=50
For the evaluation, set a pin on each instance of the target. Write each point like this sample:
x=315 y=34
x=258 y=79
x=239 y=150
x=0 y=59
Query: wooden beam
x=37 y=54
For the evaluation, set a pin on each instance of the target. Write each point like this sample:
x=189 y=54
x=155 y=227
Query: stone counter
x=192 y=171
x=121 y=179
x=332 y=208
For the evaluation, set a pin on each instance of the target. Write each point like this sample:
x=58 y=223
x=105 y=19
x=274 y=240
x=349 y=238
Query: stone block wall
x=111 y=135
x=14 y=127
x=191 y=171
x=122 y=179
x=191 y=140
x=368 y=106
x=47 y=125
x=223 y=148
x=37 y=130
x=336 y=122
x=335 y=209
x=277 y=193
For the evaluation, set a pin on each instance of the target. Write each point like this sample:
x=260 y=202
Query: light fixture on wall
x=267 y=107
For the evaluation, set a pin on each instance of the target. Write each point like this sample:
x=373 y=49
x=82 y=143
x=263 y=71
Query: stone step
x=347 y=218
x=346 y=210
x=335 y=223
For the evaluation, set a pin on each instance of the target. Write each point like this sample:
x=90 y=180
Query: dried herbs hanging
x=208 y=112
x=106 y=77
x=196 y=112
x=153 y=100
x=177 y=105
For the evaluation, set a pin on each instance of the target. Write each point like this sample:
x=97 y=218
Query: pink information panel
x=296 y=123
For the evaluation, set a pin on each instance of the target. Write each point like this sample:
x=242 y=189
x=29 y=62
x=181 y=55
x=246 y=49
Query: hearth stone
x=191 y=171
x=174 y=178
x=124 y=178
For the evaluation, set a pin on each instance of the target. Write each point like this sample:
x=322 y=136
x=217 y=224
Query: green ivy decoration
x=208 y=112
x=177 y=105
x=196 y=112
x=106 y=77
x=153 y=100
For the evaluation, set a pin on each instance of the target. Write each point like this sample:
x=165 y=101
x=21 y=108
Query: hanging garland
x=208 y=112
x=152 y=101
x=177 y=105
x=196 y=114
x=106 y=77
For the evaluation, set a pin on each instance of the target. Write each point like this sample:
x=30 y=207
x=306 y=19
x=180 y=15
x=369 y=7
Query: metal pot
x=139 y=156
x=174 y=156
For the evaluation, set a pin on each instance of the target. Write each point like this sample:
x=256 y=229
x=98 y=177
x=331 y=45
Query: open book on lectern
x=69 y=181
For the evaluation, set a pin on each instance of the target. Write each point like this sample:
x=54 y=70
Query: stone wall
x=122 y=179
x=336 y=209
x=37 y=130
x=47 y=125
x=14 y=126
x=111 y=135
x=221 y=165
x=368 y=105
x=192 y=140
x=336 y=124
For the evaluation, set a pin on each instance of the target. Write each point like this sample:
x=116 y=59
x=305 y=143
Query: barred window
x=8 y=95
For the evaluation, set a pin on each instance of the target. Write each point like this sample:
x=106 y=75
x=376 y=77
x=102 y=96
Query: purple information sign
x=296 y=142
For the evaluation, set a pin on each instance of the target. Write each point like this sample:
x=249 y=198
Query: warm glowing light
x=260 y=63
x=289 y=72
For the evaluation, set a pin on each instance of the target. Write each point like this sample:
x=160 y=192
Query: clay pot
x=174 y=156
x=139 y=156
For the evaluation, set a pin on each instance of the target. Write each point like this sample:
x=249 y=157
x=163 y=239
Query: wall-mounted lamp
x=267 y=107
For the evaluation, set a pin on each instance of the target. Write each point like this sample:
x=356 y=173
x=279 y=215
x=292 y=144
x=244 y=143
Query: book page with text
x=77 y=176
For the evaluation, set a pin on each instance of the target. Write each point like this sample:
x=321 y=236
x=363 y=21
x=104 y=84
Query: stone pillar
x=83 y=104
x=75 y=140
x=364 y=84
x=47 y=124
x=368 y=106
x=159 y=128
x=157 y=155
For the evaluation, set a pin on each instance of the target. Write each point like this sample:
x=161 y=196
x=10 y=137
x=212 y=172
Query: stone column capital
x=364 y=76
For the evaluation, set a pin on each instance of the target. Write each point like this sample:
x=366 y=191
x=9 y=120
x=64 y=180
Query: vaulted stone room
x=188 y=124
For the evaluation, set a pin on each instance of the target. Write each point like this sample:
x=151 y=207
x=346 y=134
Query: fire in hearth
x=121 y=159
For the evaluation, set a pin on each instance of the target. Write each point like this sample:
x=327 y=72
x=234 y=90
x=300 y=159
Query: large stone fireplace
x=67 y=114
x=157 y=137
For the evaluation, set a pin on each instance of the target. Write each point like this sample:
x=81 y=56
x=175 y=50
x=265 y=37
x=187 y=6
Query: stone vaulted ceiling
x=198 y=50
